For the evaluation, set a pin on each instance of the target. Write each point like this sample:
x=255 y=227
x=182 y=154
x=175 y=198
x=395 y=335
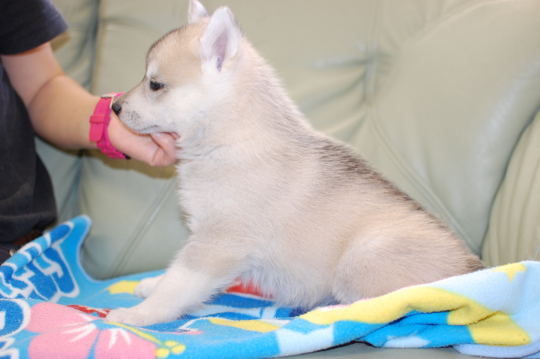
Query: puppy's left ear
x=221 y=39
x=196 y=11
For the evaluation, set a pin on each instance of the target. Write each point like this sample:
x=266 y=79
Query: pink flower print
x=68 y=333
x=119 y=343
x=49 y=316
x=74 y=342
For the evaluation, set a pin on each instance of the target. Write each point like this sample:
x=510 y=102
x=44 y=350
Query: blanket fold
x=50 y=308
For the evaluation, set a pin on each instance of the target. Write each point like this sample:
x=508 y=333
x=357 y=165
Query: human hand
x=157 y=149
x=59 y=109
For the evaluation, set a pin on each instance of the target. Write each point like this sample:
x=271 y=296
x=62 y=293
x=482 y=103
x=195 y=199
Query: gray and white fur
x=266 y=197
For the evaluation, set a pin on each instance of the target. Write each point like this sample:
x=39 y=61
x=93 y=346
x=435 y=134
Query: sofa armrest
x=514 y=227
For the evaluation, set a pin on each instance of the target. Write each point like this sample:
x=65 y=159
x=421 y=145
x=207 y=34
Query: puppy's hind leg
x=198 y=272
x=378 y=266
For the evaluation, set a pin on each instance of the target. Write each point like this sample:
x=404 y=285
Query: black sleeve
x=26 y=194
x=26 y=24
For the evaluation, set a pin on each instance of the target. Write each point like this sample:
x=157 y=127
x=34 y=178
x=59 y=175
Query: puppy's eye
x=156 y=86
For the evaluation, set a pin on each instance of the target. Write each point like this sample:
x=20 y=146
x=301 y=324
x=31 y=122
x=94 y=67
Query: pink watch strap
x=99 y=124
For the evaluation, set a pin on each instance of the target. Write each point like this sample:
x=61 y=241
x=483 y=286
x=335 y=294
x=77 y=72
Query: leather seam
x=138 y=233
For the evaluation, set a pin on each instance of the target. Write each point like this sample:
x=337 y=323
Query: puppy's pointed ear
x=221 y=39
x=196 y=11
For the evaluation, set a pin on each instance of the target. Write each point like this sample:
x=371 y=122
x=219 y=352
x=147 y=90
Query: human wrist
x=99 y=125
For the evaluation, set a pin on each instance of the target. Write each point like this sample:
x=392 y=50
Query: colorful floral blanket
x=52 y=309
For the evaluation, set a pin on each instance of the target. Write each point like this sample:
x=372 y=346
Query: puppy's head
x=188 y=72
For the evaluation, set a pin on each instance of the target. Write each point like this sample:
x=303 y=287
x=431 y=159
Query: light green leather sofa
x=442 y=96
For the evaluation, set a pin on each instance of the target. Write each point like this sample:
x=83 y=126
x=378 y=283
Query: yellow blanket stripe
x=252 y=325
x=485 y=325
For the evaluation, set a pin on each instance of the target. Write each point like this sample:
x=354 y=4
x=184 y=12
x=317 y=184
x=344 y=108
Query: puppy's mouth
x=147 y=130
x=133 y=121
x=142 y=130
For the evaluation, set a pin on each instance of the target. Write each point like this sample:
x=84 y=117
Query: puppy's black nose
x=117 y=108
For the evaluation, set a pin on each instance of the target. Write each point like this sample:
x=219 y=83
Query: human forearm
x=60 y=113
x=60 y=109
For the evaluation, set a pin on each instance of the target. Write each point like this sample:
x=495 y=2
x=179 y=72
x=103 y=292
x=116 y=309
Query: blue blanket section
x=52 y=309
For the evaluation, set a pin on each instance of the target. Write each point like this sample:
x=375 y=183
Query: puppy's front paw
x=150 y=311
x=125 y=316
x=132 y=316
x=146 y=286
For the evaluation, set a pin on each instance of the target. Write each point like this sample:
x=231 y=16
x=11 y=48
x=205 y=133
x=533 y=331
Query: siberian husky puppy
x=267 y=198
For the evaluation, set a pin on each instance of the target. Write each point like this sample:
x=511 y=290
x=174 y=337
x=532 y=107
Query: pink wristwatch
x=99 y=124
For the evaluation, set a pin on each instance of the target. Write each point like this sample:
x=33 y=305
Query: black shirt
x=26 y=193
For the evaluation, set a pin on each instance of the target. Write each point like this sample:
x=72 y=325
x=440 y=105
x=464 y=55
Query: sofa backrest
x=435 y=94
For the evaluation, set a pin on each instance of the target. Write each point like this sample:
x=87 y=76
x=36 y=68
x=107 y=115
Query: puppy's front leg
x=198 y=272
